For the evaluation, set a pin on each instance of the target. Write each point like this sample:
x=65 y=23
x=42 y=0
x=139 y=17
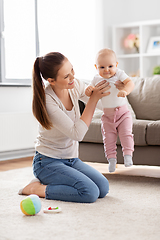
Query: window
x=18 y=42
x=35 y=27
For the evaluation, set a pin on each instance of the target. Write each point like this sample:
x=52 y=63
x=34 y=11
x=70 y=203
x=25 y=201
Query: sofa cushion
x=153 y=133
x=140 y=131
x=145 y=98
x=94 y=132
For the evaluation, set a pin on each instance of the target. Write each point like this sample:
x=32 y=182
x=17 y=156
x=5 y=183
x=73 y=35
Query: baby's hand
x=122 y=93
x=89 y=90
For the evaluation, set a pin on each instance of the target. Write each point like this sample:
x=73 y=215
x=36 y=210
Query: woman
x=60 y=174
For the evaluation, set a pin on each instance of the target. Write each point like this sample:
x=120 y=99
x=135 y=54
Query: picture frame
x=154 y=45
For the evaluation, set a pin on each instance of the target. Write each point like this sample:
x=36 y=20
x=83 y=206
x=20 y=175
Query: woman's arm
x=63 y=123
x=99 y=91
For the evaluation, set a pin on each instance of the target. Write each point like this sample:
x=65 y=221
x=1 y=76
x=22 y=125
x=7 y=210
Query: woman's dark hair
x=46 y=67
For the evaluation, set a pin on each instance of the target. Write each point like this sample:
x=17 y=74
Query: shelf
x=128 y=55
x=151 y=54
x=138 y=55
x=131 y=61
x=137 y=24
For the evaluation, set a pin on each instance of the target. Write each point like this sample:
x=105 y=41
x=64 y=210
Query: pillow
x=131 y=110
x=145 y=97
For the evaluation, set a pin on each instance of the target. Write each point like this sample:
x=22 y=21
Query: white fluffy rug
x=130 y=211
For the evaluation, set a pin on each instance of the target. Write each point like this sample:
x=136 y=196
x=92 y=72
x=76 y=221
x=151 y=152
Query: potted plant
x=156 y=70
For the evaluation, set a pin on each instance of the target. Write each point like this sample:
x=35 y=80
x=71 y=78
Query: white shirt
x=112 y=100
x=61 y=141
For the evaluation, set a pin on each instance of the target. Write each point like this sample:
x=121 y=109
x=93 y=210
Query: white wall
x=18 y=127
x=15 y=99
x=123 y=11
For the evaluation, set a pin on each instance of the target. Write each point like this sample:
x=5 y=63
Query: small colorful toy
x=31 y=205
x=52 y=210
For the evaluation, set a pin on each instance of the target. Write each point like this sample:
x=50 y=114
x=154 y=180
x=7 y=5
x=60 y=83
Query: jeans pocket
x=41 y=160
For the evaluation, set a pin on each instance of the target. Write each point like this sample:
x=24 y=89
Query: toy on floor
x=52 y=210
x=31 y=205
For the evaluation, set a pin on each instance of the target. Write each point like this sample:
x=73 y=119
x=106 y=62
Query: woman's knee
x=93 y=191
x=98 y=191
x=104 y=189
x=90 y=193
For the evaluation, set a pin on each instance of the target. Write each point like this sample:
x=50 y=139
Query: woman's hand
x=119 y=85
x=122 y=93
x=125 y=87
x=101 y=90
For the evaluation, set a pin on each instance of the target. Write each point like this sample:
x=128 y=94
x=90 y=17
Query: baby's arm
x=128 y=87
x=89 y=90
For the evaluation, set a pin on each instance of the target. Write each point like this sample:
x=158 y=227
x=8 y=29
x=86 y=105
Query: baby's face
x=106 y=66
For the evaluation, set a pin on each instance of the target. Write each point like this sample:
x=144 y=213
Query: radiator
x=17 y=131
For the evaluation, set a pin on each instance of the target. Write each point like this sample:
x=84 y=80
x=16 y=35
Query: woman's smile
x=70 y=83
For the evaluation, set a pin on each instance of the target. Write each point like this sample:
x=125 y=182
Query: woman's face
x=65 y=76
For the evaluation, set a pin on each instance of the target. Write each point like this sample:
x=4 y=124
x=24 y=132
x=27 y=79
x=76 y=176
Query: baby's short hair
x=105 y=51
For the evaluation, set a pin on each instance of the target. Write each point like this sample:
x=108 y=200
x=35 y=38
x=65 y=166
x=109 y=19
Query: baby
x=116 y=118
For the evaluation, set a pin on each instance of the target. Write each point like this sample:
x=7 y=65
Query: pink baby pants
x=117 y=121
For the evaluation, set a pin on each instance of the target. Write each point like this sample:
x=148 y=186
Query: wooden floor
x=15 y=163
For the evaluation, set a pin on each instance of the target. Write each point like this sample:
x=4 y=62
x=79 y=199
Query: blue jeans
x=69 y=179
